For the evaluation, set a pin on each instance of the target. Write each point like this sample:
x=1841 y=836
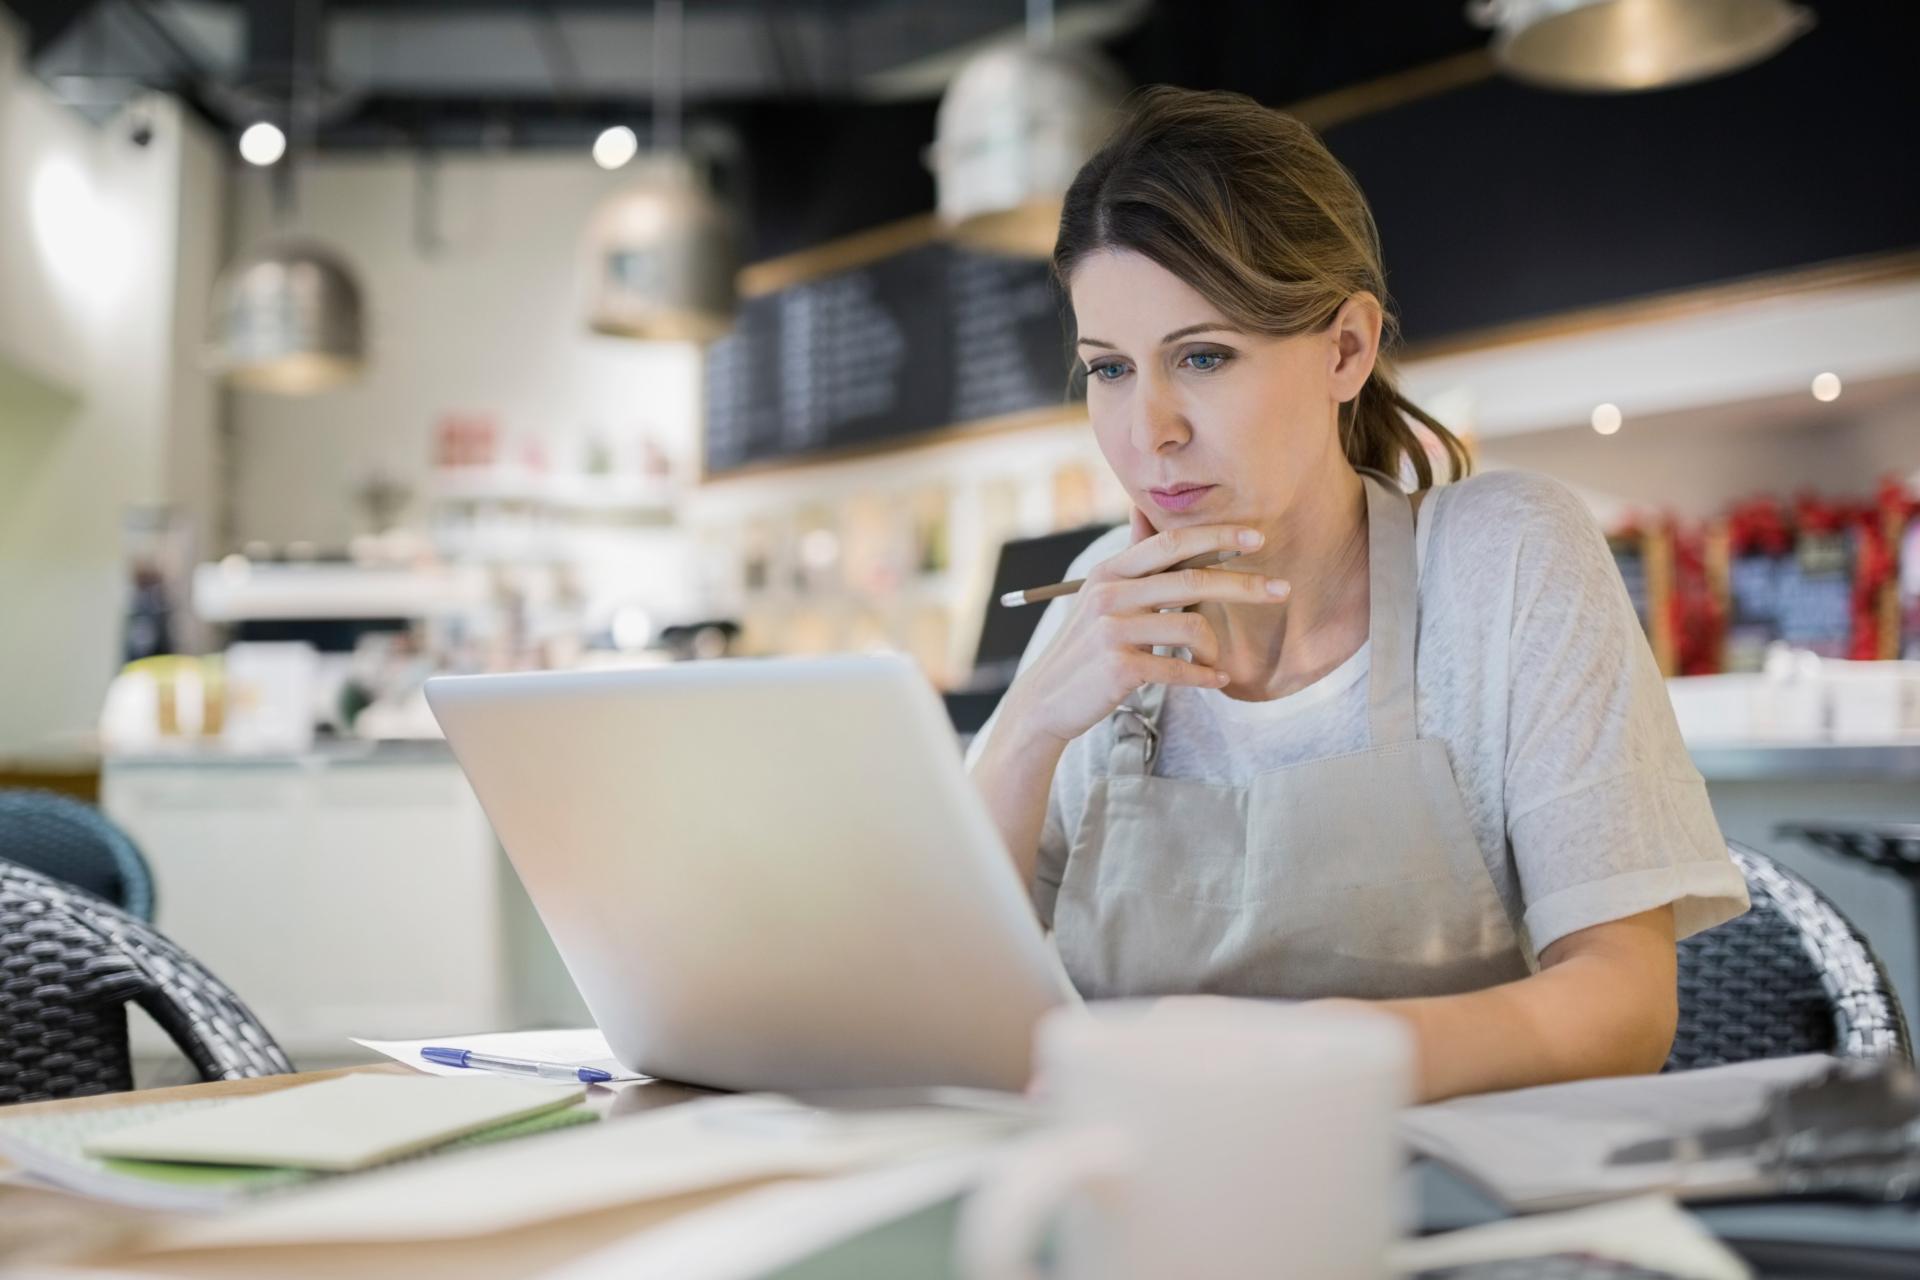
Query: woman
x=1405 y=750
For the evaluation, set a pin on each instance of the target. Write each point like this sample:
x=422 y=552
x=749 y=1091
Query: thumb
x=1142 y=527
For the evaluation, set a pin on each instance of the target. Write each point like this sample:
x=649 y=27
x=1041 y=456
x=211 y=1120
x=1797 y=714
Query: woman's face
x=1203 y=423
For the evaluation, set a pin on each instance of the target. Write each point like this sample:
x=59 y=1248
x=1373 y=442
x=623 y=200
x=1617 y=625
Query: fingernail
x=1251 y=537
x=1279 y=587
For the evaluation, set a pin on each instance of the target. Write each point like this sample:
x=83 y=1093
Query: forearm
x=1607 y=1009
x=1014 y=774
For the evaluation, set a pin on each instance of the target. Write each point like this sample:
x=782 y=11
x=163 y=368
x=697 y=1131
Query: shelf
x=558 y=491
x=242 y=591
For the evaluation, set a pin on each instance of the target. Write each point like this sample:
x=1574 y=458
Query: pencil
x=1038 y=595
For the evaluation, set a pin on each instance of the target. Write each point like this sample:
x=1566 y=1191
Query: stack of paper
x=1548 y=1147
x=53 y=1148
x=696 y=1146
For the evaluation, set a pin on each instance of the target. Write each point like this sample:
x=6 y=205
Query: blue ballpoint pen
x=448 y=1057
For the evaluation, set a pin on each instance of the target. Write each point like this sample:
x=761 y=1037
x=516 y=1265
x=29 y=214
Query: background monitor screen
x=1024 y=562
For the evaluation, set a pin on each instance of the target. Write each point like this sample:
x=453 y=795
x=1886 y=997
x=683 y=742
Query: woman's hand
x=1104 y=650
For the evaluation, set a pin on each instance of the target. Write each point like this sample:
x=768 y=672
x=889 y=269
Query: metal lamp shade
x=661 y=258
x=288 y=319
x=1012 y=131
x=1614 y=46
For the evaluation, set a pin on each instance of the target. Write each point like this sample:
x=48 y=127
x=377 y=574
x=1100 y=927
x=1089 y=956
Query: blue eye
x=1218 y=357
x=1100 y=371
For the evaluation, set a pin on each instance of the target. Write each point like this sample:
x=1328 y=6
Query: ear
x=1353 y=344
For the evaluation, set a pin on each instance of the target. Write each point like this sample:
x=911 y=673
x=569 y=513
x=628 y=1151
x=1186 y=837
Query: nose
x=1158 y=423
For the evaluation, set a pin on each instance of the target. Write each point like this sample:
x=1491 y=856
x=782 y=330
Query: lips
x=1180 y=496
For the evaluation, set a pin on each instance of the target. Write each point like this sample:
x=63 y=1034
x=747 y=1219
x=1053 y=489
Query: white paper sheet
x=1649 y=1232
x=763 y=1230
x=585 y=1047
x=1547 y=1147
x=715 y=1142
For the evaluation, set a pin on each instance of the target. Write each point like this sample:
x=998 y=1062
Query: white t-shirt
x=1532 y=668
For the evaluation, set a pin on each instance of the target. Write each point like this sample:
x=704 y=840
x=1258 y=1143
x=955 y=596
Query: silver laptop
x=767 y=873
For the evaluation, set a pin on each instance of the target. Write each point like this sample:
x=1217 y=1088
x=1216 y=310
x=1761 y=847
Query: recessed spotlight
x=1826 y=386
x=614 y=147
x=262 y=143
x=1606 y=418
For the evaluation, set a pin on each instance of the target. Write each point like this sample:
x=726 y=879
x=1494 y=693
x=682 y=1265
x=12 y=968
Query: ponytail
x=1375 y=432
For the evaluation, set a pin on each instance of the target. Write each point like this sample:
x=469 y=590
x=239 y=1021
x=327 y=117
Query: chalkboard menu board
x=1646 y=570
x=1804 y=598
x=932 y=336
x=1814 y=595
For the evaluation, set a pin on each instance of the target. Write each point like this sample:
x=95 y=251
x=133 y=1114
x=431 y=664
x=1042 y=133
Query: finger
x=1154 y=669
x=1179 y=630
x=1142 y=527
x=1170 y=546
x=1190 y=586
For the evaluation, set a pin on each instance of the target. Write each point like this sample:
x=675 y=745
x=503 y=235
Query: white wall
x=90 y=271
x=1750 y=350
x=490 y=322
x=1696 y=464
x=1716 y=402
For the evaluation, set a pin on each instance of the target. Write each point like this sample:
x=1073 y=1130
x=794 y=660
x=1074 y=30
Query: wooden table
x=78 y=1237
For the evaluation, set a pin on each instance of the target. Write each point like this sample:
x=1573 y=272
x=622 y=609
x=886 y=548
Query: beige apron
x=1355 y=875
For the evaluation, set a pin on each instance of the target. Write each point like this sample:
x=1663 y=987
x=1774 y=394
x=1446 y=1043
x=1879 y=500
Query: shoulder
x=1505 y=499
x=1499 y=515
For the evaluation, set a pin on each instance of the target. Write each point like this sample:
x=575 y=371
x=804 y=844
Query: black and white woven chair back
x=70 y=962
x=1790 y=976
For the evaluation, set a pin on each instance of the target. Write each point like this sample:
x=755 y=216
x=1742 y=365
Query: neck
x=1319 y=544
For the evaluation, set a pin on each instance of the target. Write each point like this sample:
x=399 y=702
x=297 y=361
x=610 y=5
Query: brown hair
x=1247 y=205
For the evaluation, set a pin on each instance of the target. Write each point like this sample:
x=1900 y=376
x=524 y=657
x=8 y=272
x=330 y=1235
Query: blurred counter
x=354 y=889
x=1897 y=762
x=326 y=753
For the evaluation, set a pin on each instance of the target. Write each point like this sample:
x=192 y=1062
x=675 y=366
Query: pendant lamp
x=1011 y=132
x=1618 y=46
x=661 y=257
x=287 y=318
x=660 y=253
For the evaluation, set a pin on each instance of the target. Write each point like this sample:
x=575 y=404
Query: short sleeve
x=1606 y=814
x=1050 y=865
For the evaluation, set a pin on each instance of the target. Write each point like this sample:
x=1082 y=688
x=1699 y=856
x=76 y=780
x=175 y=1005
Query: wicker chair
x=69 y=963
x=1790 y=976
x=74 y=842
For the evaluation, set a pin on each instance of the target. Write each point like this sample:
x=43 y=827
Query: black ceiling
x=819 y=110
x=523 y=72
x=1496 y=201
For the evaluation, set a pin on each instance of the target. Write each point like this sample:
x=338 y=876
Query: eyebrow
x=1177 y=333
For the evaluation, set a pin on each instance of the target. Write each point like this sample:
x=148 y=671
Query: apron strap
x=1392 y=610
x=1136 y=738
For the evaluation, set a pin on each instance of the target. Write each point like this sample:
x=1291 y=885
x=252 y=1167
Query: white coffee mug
x=1204 y=1138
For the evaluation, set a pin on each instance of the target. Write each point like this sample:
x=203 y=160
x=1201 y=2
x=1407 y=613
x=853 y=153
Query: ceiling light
x=262 y=143
x=1617 y=46
x=614 y=147
x=1826 y=386
x=1606 y=418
